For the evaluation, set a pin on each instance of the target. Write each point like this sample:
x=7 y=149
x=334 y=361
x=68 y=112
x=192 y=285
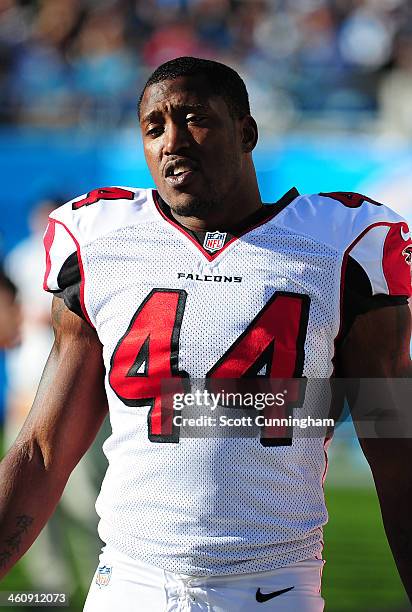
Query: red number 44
x=148 y=352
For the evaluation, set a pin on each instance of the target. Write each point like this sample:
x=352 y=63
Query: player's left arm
x=378 y=346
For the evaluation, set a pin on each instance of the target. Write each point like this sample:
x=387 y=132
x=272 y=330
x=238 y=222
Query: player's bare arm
x=67 y=413
x=378 y=346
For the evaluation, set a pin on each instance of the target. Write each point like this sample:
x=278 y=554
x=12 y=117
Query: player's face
x=192 y=145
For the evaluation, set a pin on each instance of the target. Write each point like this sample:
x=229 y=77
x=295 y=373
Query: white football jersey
x=269 y=301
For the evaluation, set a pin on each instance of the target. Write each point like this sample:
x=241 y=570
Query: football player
x=200 y=279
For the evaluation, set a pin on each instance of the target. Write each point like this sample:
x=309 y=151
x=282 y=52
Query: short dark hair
x=223 y=81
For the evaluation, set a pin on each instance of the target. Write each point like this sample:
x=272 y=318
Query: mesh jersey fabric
x=215 y=505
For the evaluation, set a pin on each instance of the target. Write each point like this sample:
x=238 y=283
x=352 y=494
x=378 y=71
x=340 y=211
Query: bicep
x=71 y=403
x=378 y=347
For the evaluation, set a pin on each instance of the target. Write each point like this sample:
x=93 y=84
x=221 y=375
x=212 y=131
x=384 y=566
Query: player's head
x=222 y=80
x=197 y=134
x=40 y=213
x=10 y=315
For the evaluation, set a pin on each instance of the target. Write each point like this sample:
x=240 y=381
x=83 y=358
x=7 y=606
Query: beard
x=212 y=199
x=197 y=207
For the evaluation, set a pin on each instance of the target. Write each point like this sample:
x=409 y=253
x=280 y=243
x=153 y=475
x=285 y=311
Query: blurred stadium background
x=330 y=83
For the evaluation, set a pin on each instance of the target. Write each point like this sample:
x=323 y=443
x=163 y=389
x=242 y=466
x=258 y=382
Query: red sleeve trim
x=48 y=241
x=397 y=253
x=343 y=274
x=81 y=268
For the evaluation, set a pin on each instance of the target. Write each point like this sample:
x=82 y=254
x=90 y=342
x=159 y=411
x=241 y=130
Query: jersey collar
x=256 y=219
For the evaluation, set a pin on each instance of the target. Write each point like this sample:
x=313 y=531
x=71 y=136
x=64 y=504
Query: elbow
x=33 y=452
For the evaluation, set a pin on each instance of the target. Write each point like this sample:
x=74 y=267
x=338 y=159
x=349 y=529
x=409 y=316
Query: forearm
x=69 y=408
x=28 y=496
x=378 y=347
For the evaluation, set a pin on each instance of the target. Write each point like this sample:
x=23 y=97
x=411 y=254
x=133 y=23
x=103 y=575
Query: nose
x=176 y=138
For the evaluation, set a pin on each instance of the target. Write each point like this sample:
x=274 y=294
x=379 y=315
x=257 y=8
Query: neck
x=230 y=213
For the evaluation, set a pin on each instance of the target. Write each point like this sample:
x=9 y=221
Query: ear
x=249 y=133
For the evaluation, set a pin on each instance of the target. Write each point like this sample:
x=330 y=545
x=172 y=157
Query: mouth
x=179 y=173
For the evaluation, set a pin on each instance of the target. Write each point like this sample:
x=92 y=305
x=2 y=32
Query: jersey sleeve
x=373 y=244
x=74 y=226
x=377 y=271
x=384 y=252
x=63 y=273
x=369 y=232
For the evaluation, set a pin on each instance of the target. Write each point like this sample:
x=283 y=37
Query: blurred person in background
x=10 y=331
x=10 y=316
x=24 y=265
x=105 y=72
x=40 y=79
x=395 y=92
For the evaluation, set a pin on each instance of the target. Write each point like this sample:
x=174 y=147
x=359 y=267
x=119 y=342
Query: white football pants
x=122 y=584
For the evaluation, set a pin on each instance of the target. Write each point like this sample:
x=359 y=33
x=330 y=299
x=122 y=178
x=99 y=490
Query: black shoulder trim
x=286 y=199
x=69 y=280
x=358 y=297
x=70 y=272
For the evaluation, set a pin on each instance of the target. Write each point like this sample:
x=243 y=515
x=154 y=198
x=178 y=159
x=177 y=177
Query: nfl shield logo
x=103 y=575
x=214 y=241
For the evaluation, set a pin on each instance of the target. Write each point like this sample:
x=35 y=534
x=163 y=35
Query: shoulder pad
x=337 y=219
x=102 y=211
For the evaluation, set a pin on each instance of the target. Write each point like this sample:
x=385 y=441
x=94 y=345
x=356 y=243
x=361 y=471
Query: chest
x=269 y=288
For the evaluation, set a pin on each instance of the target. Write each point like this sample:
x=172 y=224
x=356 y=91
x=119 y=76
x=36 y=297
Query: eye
x=154 y=131
x=195 y=118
